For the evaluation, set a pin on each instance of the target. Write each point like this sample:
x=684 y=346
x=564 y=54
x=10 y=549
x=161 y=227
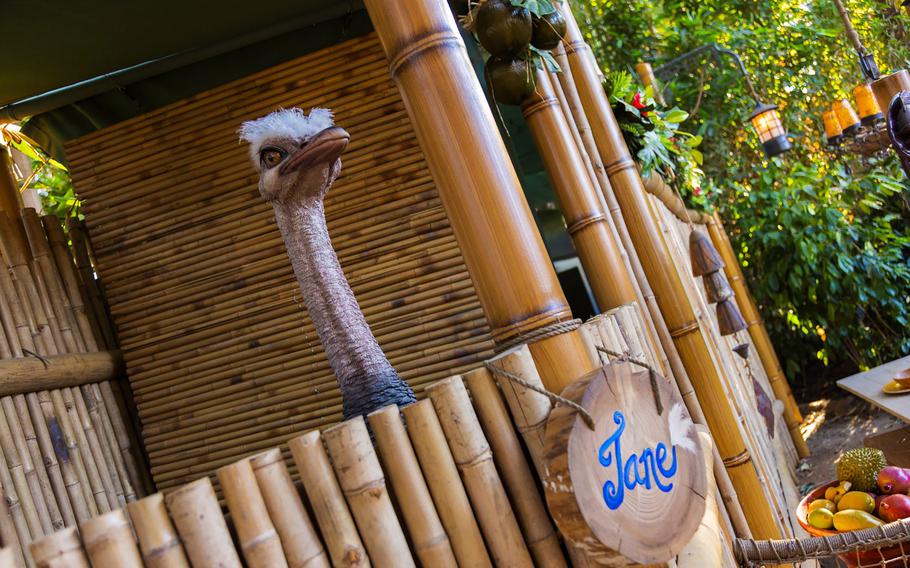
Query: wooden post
x=361 y=478
x=758 y=333
x=109 y=541
x=585 y=218
x=342 y=540
x=688 y=337
x=301 y=544
x=200 y=524
x=158 y=540
x=59 y=550
x=412 y=494
x=259 y=542
x=503 y=251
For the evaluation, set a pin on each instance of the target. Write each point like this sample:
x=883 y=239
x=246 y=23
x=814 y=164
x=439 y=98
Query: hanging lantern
x=770 y=129
x=869 y=112
x=832 y=128
x=705 y=258
x=849 y=121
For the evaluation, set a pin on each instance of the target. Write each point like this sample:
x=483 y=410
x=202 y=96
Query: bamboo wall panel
x=775 y=457
x=221 y=355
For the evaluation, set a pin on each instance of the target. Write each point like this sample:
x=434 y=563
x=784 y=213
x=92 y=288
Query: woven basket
x=886 y=546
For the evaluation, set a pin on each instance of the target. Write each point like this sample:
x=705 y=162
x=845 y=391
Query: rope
x=540 y=333
x=37 y=356
x=554 y=398
x=652 y=374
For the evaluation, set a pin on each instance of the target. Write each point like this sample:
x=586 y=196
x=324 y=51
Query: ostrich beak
x=323 y=148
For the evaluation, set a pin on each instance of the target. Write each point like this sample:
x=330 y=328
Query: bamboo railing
x=67 y=455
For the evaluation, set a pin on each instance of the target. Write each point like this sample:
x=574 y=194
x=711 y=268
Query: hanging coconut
x=501 y=28
x=728 y=317
x=510 y=80
x=705 y=258
x=717 y=288
x=549 y=30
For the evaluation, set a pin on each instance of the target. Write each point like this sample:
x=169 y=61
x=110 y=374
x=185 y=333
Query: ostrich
x=298 y=158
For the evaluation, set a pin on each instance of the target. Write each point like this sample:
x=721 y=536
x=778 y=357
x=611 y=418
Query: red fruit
x=878 y=504
x=893 y=480
x=894 y=507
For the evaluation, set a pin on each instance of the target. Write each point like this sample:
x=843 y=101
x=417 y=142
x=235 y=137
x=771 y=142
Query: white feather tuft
x=291 y=123
x=680 y=426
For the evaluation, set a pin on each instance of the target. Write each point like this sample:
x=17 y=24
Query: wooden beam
x=478 y=186
x=30 y=374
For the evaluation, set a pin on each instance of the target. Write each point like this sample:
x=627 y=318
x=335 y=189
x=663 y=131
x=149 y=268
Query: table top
x=868 y=386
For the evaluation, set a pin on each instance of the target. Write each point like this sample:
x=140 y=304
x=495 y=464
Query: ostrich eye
x=271 y=157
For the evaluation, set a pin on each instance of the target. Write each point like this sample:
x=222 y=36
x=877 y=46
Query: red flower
x=697 y=190
x=636 y=101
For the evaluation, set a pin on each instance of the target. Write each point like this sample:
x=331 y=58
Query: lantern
x=869 y=112
x=849 y=121
x=832 y=127
x=770 y=130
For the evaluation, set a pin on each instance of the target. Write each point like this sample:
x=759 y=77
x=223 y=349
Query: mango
x=895 y=507
x=858 y=501
x=853 y=520
x=822 y=504
x=821 y=518
x=894 y=480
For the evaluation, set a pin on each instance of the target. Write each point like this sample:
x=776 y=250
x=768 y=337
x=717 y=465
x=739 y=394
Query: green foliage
x=826 y=251
x=55 y=188
x=653 y=135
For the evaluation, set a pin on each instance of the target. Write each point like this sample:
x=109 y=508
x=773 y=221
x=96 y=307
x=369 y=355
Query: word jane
x=648 y=469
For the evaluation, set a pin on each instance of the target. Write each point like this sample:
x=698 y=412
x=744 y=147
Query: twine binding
x=554 y=398
x=652 y=373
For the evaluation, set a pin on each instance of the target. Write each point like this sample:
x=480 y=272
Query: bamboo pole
x=259 y=541
x=342 y=541
x=10 y=198
x=517 y=477
x=586 y=220
x=92 y=288
x=197 y=516
x=759 y=333
x=16 y=508
x=475 y=462
x=109 y=541
x=302 y=547
x=59 y=550
x=444 y=484
x=671 y=296
x=86 y=439
x=412 y=494
x=24 y=477
x=504 y=253
x=18 y=376
x=9 y=534
x=361 y=478
x=158 y=540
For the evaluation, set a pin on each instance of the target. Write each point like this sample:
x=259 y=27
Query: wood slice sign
x=632 y=489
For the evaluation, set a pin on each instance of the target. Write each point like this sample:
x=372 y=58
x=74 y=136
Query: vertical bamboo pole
x=259 y=541
x=332 y=515
x=585 y=218
x=360 y=477
x=301 y=544
x=10 y=198
x=758 y=333
x=671 y=295
x=93 y=290
x=59 y=550
x=445 y=485
x=197 y=516
x=158 y=540
x=503 y=251
x=475 y=462
x=510 y=460
x=109 y=541
x=9 y=534
x=411 y=492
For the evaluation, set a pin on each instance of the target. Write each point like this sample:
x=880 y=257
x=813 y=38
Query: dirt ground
x=834 y=425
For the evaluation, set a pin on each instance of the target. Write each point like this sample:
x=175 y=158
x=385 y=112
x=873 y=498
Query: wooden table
x=868 y=386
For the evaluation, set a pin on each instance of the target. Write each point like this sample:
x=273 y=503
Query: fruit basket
x=884 y=546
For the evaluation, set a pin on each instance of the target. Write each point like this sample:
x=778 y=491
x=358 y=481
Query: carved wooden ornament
x=632 y=490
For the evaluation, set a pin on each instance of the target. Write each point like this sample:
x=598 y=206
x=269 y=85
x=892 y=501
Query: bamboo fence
x=66 y=453
x=222 y=359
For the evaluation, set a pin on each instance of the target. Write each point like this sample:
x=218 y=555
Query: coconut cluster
x=507 y=31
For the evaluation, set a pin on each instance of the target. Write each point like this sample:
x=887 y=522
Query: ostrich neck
x=345 y=335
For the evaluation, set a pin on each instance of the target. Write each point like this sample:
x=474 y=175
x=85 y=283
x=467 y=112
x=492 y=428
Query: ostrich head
x=298 y=155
